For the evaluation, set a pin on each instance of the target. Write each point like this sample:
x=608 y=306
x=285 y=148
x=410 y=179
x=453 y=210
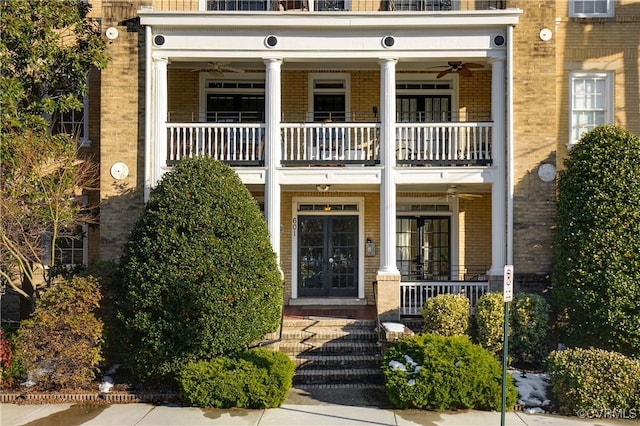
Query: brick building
x=409 y=142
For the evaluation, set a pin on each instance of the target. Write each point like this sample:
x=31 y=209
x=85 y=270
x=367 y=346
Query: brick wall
x=535 y=136
x=122 y=127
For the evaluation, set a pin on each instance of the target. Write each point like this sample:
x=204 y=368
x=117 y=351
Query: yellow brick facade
x=540 y=123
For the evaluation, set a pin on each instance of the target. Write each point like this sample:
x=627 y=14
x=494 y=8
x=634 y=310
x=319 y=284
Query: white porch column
x=160 y=111
x=498 y=189
x=272 y=151
x=388 y=162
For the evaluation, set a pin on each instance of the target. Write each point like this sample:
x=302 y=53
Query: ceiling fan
x=452 y=192
x=217 y=69
x=460 y=67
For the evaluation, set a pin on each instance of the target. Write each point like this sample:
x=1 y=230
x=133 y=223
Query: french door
x=328 y=256
x=423 y=248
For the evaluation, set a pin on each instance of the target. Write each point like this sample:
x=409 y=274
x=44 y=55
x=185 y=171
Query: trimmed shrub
x=596 y=279
x=258 y=378
x=198 y=275
x=439 y=373
x=489 y=314
x=59 y=346
x=446 y=315
x=594 y=379
x=529 y=322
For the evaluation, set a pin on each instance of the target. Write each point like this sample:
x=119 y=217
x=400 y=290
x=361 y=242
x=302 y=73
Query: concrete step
x=331 y=347
x=309 y=362
x=326 y=334
x=328 y=322
x=339 y=376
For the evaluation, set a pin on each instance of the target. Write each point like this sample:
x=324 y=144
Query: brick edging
x=89 y=397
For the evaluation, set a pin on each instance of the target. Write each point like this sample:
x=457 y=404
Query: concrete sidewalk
x=302 y=415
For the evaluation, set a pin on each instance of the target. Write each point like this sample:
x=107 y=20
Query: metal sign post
x=508 y=296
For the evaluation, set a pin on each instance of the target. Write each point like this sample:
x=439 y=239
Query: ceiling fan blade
x=229 y=68
x=443 y=73
x=473 y=65
x=465 y=196
x=466 y=72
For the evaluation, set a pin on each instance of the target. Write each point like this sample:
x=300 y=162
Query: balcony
x=333 y=144
x=327 y=5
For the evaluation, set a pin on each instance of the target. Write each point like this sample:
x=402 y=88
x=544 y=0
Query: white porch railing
x=444 y=143
x=343 y=142
x=438 y=144
x=229 y=142
x=413 y=295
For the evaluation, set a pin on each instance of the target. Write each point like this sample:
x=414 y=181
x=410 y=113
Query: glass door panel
x=328 y=256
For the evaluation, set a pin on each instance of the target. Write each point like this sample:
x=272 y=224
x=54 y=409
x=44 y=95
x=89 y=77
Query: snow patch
x=395 y=327
x=532 y=390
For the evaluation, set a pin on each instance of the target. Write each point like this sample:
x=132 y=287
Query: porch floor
x=367 y=312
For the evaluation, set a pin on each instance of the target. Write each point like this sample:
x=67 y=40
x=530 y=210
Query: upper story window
x=238 y=101
x=591 y=102
x=236 y=4
x=591 y=8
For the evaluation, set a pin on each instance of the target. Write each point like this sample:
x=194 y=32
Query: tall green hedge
x=596 y=280
x=198 y=276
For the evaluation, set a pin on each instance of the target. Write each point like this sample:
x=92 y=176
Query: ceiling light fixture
x=323 y=187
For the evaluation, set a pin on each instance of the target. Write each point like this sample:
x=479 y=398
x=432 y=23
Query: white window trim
x=359 y=201
x=608 y=14
x=608 y=119
x=84 y=141
x=205 y=78
x=343 y=76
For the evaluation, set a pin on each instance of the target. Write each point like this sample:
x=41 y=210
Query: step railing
x=413 y=295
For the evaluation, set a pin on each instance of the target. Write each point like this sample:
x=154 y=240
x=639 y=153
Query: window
x=591 y=99
x=235 y=101
x=70 y=248
x=75 y=123
x=591 y=8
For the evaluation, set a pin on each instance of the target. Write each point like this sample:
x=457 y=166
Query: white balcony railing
x=330 y=142
x=444 y=143
x=235 y=143
x=417 y=144
x=413 y=295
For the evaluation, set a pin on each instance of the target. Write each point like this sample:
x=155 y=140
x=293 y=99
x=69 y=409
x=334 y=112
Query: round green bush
x=489 y=314
x=446 y=315
x=596 y=279
x=198 y=275
x=259 y=378
x=594 y=379
x=438 y=373
x=529 y=322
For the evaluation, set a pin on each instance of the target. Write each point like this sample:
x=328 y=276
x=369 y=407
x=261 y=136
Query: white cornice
x=331 y=20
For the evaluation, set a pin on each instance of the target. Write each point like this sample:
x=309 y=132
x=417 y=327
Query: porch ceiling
x=296 y=64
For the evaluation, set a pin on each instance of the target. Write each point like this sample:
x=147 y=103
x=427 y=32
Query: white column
x=272 y=151
x=388 y=162
x=160 y=111
x=499 y=187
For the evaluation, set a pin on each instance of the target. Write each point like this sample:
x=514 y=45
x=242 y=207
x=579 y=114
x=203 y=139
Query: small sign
x=508 y=283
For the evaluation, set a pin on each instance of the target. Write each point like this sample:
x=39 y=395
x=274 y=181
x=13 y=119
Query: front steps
x=332 y=352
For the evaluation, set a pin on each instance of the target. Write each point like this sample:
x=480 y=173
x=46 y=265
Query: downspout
x=510 y=145
x=147 y=113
